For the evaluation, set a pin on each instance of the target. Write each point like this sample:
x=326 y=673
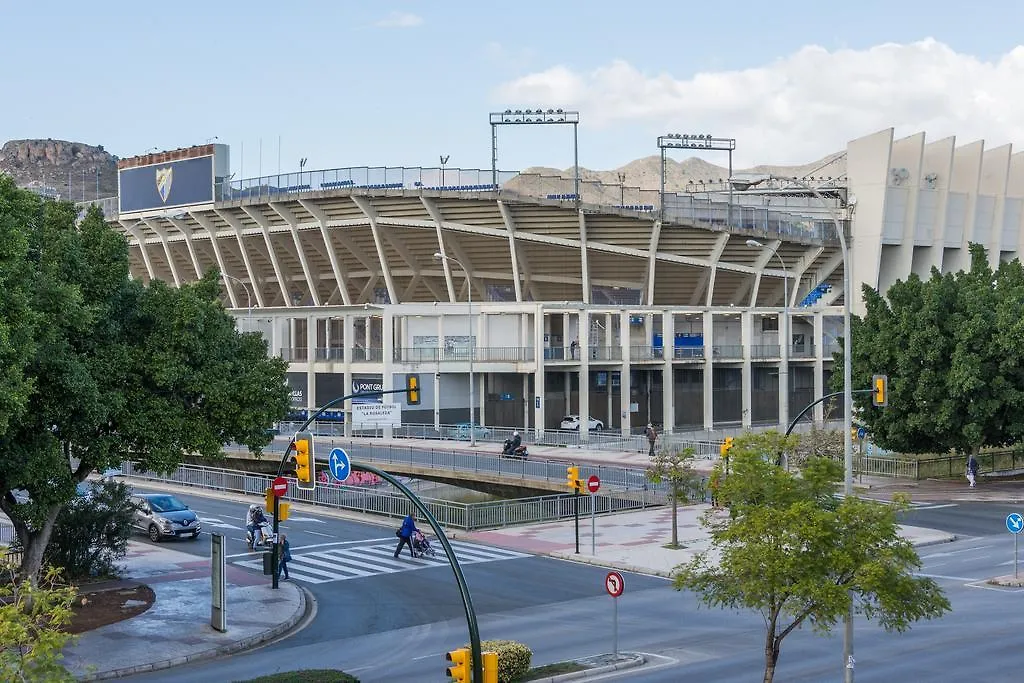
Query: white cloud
x=803 y=106
x=400 y=20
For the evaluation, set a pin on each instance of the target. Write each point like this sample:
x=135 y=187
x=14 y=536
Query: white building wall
x=867 y=168
x=961 y=205
x=988 y=214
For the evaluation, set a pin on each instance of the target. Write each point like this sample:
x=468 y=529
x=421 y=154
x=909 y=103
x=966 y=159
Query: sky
x=402 y=83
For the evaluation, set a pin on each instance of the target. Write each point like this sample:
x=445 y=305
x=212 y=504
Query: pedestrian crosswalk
x=341 y=561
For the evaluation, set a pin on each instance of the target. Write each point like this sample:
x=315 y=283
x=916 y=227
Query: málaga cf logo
x=164 y=178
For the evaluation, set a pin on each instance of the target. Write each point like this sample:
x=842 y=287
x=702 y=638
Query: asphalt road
x=396 y=626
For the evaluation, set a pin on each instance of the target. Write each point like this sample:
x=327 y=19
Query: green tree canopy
x=117 y=369
x=793 y=554
x=953 y=349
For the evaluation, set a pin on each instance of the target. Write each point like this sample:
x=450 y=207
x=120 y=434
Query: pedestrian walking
x=286 y=557
x=405 y=534
x=972 y=471
x=652 y=437
x=573 y=345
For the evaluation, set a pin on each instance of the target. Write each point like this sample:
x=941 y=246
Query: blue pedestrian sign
x=861 y=433
x=339 y=463
x=1014 y=522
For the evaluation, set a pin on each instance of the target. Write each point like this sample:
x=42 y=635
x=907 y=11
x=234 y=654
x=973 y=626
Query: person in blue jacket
x=406 y=532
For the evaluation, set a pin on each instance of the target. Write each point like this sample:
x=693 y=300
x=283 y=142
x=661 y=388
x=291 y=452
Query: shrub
x=91 y=532
x=31 y=630
x=513 y=658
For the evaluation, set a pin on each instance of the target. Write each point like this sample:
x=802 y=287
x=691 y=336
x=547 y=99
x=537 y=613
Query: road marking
x=955 y=552
x=305 y=519
x=948 y=578
x=218 y=523
x=925 y=506
x=328 y=562
x=317 y=533
x=325 y=545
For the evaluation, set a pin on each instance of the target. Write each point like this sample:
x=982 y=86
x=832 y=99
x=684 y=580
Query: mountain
x=61 y=168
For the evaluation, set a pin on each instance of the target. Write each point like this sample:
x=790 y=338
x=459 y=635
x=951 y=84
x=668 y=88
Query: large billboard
x=163 y=181
x=164 y=186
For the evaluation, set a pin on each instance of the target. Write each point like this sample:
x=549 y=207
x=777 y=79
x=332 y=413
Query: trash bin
x=268 y=563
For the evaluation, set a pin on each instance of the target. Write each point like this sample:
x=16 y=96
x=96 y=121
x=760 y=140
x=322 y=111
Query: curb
x=939 y=541
x=229 y=648
x=635 y=659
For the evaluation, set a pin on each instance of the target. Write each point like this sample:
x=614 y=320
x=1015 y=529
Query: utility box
x=268 y=564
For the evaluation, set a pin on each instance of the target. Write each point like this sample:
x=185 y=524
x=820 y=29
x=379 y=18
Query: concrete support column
x=668 y=385
x=566 y=338
x=311 y=399
x=276 y=345
x=349 y=333
x=624 y=379
x=388 y=351
x=526 y=402
x=709 y=371
x=292 y=338
x=584 y=375
x=538 y=381
x=785 y=343
x=437 y=373
x=819 y=368
x=746 y=338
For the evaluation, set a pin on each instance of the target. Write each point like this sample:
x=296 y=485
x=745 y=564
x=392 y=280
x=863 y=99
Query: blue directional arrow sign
x=1014 y=522
x=341 y=466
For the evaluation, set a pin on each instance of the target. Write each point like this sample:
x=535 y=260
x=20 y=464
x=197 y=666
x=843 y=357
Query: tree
x=117 y=368
x=32 y=636
x=91 y=532
x=672 y=465
x=953 y=349
x=796 y=558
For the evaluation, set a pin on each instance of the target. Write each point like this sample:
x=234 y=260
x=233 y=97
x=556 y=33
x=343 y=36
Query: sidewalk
x=176 y=629
x=634 y=541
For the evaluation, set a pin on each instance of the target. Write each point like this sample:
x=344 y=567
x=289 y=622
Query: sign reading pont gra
x=364 y=385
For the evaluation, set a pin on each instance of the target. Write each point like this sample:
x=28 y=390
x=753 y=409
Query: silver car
x=161 y=515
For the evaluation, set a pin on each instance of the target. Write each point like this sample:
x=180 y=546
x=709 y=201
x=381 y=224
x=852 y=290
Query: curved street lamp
x=248 y=298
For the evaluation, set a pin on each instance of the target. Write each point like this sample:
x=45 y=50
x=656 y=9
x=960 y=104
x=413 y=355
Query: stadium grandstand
x=712 y=308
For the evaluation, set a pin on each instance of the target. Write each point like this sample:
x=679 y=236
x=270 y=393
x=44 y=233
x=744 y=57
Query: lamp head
x=755 y=244
x=438 y=255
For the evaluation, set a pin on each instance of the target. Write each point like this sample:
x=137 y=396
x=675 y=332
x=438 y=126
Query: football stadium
x=536 y=298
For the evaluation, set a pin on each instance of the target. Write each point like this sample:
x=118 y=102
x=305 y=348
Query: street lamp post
x=784 y=336
x=472 y=386
x=248 y=298
x=622 y=188
x=697 y=142
x=745 y=183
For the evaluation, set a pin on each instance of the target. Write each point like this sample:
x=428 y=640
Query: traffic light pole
x=275 y=550
x=792 y=425
x=576 y=514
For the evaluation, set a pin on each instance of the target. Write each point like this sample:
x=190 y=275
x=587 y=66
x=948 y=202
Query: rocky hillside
x=61 y=168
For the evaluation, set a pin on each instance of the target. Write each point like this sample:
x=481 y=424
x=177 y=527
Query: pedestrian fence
x=509 y=470
x=386 y=502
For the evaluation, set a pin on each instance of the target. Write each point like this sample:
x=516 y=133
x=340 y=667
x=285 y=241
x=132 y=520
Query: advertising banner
x=377 y=415
x=174 y=184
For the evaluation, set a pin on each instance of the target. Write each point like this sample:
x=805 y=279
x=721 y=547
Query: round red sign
x=614 y=584
x=279 y=486
x=593 y=483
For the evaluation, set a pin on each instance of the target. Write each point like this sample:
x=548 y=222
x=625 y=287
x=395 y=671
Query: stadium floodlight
x=533 y=117
x=702 y=141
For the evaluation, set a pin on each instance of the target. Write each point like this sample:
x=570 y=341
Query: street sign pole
x=614 y=585
x=593 y=516
x=615 y=626
x=1015 y=524
x=275 y=551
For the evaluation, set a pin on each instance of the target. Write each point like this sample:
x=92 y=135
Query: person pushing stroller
x=421 y=545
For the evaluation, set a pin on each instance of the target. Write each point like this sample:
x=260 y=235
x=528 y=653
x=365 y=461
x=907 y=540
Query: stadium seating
x=564 y=197
x=381 y=186
x=815 y=294
x=334 y=184
x=635 y=207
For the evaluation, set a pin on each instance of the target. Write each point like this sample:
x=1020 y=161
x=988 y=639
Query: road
x=396 y=625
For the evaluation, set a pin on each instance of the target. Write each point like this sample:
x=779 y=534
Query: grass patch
x=549 y=670
x=305 y=676
x=669 y=546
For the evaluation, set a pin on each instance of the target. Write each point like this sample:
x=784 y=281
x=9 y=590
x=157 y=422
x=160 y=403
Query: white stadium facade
x=602 y=301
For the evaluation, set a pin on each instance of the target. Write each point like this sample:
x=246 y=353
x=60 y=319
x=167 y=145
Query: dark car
x=161 y=515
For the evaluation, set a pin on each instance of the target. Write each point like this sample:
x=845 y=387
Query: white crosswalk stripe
x=325 y=564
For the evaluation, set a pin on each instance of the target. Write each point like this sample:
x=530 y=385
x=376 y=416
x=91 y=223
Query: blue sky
x=400 y=83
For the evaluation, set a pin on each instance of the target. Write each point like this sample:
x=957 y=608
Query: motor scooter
x=519 y=451
x=266 y=535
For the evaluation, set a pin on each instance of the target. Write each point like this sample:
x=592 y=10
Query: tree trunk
x=675 y=513
x=33 y=545
x=771 y=651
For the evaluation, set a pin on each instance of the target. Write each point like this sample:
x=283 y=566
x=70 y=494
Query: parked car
x=573 y=422
x=461 y=432
x=161 y=515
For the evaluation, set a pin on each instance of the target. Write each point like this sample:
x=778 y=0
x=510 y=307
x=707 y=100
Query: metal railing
x=641 y=353
x=765 y=351
x=481 y=354
x=723 y=351
x=385 y=502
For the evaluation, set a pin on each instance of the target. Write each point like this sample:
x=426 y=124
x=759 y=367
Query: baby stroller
x=421 y=546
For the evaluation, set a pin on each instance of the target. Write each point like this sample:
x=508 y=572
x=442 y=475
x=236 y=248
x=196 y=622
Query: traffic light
x=305 y=475
x=458 y=670
x=412 y=390
x=572 y=476
x=269 y=501
x=880 y=395
x=490 y=662
x=726 y=446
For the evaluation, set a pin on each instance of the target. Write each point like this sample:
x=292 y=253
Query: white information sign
x=377 y=414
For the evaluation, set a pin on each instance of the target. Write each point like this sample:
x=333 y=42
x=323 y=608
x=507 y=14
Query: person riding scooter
x=255 y=520
x=514 y=447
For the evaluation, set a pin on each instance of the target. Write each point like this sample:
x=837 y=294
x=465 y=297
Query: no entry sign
x=593 y=483
x=279 y=486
